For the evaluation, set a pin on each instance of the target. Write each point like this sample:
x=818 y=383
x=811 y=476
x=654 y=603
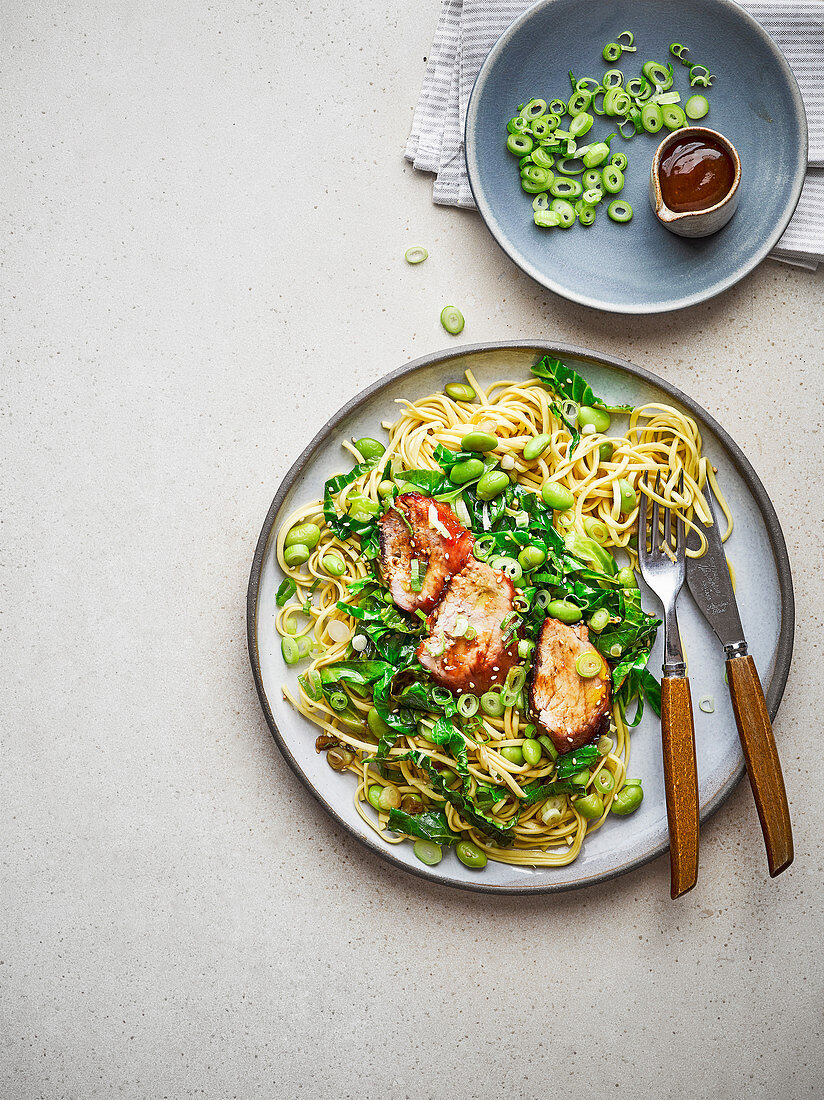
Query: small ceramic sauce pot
x=694 y=223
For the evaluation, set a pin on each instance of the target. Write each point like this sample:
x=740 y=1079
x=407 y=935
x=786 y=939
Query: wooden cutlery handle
x=681 y=782
x=761 y=756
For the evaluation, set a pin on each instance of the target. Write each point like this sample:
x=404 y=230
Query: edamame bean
x=479 y=441
x=468 y=470
x=598 y=418
x=513 y=754
x=556 y=496
x=386 y=489
x=628 y=497
x=626 y=577
x=374 y=795
x=536 y=447
x=448 y=776
x=532 y=751
x=564 y=611
x=591 y=806
x=531 y=557
x=390 y=799
x=377 y=727
x=305 y=534
x=295 y=555
x=428 y=852
x=334 y=564
x=628 y=799
x=605 y=452
x=459 y=391
x=492 y=484
x=369 y=448
x=470 y=854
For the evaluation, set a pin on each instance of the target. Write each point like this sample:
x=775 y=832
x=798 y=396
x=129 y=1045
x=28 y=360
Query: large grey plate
x=641 y=267
x=765 y=597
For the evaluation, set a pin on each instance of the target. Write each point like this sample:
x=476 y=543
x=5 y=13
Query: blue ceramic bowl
x=639 y=267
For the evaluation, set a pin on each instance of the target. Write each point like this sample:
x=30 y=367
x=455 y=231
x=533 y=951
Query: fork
x=664 y=573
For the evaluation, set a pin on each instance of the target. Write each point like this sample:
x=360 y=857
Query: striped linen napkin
x=467 y=30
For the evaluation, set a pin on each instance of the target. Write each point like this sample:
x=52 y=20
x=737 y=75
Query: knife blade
x=709 y=581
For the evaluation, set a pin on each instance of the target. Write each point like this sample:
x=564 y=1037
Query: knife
x=708 y=579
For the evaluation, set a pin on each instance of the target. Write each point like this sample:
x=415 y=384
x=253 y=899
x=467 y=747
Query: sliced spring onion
x=564 y=187
x=613 y=179
x=483 y=547
x=543 y=158
x=558 y=107
x=703 y=76
x=468 y=705
x=592 y=196
x=679 y=51
x=492 y=704
x=312 y=684
x=290 y=651
x=415 y=255
x=674 y=116
x=520 y=144
x=588 y=664
x=578 y=103
x=338 y=701
x=462 y=512
x=620 y=211
x=452 y=320
x=416 y=576
x=565 y=212
x=652 y=118
x=619 y=160
x=587 y=85
x=534 y=109
x=696 y=106
x=460 y=627
x=581 y=124
x=627 y=46
x=517 y=125
x=707 y=704
x=586 y=215
x=546 y=219
x=658 y=74
x=612 y=78
x=612 y=51
x=541 y=201
x=638 y=87
x=525 y=647
x=663 y=98
x=567 y=166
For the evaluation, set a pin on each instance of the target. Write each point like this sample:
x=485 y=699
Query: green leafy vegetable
x=431 y=825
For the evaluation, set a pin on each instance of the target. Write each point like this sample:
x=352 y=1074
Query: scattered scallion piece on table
x=452 y=320
x=415 y=255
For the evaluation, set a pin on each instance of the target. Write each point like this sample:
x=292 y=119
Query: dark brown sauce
x=695 y=174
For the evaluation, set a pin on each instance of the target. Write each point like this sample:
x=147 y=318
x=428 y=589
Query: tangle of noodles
x=659 y=439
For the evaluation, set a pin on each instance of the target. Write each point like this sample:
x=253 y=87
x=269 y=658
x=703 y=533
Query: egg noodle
x=659 y=440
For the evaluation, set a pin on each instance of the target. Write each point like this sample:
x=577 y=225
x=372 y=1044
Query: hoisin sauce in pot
x=695 y=174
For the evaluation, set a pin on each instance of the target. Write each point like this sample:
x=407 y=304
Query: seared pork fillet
x=419 y=528
x=569 y=708
x=483 y=597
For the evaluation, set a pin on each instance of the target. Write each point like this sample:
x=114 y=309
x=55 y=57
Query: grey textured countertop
x=205 y=214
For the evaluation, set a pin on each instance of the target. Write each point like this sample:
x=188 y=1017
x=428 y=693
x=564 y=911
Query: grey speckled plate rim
x=639 y=307
x=540 y=347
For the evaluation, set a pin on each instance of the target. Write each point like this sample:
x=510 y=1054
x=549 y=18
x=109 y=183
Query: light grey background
x=205 y=211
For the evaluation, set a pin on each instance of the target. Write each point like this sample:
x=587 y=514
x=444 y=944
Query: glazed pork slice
x=418 y=527
x=569 y=708
x=483 y=597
